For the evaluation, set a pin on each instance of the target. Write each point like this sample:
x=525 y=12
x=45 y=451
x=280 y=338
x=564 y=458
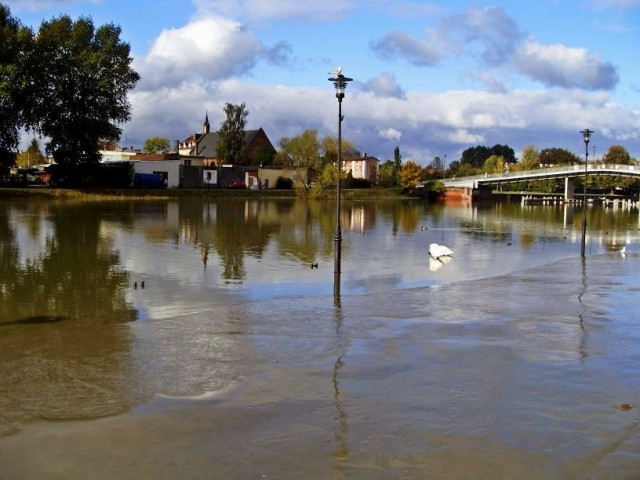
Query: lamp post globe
x=340 y=83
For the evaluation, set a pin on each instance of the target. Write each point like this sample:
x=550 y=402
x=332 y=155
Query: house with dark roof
x=204 y=144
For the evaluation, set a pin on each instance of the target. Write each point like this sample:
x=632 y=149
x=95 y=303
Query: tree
x=410 y=175
x=156 y=145
x=264 y=155
x=494 y=164
x=386 y=174
x=329 y=149
x=31 y=156
x=230 y=144
x=475 y=156
x=454 y=167
x=397 y=165
x=465 y=170
x=14 y=41
x=530 y=158
x=503 y=151
x=308 y=151
x=79 y=90
x=558 y=156
x=617 y=155
x=303 y=150
x=437 y=164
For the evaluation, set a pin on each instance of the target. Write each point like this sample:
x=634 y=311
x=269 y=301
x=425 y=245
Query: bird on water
x=438 y=251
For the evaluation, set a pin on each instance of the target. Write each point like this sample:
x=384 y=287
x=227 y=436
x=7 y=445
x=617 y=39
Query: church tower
x=206 y=128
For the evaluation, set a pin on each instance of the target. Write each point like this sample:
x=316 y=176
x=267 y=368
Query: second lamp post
x=340 y=82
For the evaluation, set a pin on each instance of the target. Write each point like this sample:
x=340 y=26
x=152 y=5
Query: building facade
x=365 y=167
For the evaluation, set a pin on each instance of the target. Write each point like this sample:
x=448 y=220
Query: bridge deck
x=567 y=171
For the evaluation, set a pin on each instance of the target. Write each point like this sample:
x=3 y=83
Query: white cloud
x=426 y=124
x=490 y=81
x=211 y=48
x=491 y=35
x=491 y=30
x=384 y=85
x=390 y=134
x=558 y=65
x=398 y=44
x=199 y=68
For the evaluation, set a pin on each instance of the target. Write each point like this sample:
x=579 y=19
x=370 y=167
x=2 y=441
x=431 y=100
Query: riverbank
x=134 y=194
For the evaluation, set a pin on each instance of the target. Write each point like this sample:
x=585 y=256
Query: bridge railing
x=539 y=173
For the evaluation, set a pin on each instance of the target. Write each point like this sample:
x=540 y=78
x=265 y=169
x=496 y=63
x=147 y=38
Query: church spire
x=206 y=128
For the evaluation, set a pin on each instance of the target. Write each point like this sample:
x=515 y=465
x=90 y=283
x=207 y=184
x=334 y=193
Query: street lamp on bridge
x=340 y=82
x=586 y=134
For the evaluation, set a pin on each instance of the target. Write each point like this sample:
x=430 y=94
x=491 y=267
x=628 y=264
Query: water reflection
x=75 y=273
x=409 y=371
x=582 y=349
x=341 y=428
x=62 y=296
x=79 y=260
x=89 y=341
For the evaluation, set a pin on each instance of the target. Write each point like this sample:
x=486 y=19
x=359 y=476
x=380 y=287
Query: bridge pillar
x=569 y=188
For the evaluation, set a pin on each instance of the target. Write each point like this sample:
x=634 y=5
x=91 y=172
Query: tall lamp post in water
x=340 y=82
x=586 y=133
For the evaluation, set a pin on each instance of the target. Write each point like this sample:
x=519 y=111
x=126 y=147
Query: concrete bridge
x=567 y=172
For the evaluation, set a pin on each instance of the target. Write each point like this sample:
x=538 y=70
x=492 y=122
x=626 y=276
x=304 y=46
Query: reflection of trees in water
x=9 y=271
x=78 y=275
x=405 y=216
x=303 y=230
x=237 y=230
x=63 y=353
x=307 y=231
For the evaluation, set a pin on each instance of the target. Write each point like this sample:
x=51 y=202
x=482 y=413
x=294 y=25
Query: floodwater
x=193 y=340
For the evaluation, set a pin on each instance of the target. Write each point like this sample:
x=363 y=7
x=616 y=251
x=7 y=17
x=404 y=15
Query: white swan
x=436 y=264
x=439 y=251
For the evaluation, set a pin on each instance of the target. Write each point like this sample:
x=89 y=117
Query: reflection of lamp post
x=340 y=82
x=586 y=133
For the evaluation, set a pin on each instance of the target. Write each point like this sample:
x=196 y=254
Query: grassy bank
x=134 y=194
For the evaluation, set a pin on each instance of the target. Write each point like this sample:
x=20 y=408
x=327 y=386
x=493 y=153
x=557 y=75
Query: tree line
x=501 y=159
x=67 y=82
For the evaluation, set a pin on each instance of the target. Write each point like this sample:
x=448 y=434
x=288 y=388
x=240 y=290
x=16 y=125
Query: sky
x=430 y=77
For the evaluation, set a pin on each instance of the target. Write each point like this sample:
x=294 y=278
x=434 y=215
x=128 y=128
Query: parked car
x=237 y=185
x=148 y=180
x=31 y=176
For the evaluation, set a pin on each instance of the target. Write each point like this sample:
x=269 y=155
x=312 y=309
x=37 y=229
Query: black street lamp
x=444 y=166
x=586 y=133
x=340 y=82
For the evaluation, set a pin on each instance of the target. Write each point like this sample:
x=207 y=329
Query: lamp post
x=586 y=134
x=340 y=82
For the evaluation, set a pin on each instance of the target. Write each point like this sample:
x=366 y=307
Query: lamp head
x=586 y=133
x=340 y=82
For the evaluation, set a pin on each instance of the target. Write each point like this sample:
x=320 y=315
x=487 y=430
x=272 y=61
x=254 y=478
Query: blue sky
x=433 y=78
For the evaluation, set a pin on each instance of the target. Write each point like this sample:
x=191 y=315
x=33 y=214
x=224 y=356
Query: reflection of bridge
x=568 y=172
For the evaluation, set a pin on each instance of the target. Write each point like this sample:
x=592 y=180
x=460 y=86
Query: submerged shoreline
x=177 y=193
